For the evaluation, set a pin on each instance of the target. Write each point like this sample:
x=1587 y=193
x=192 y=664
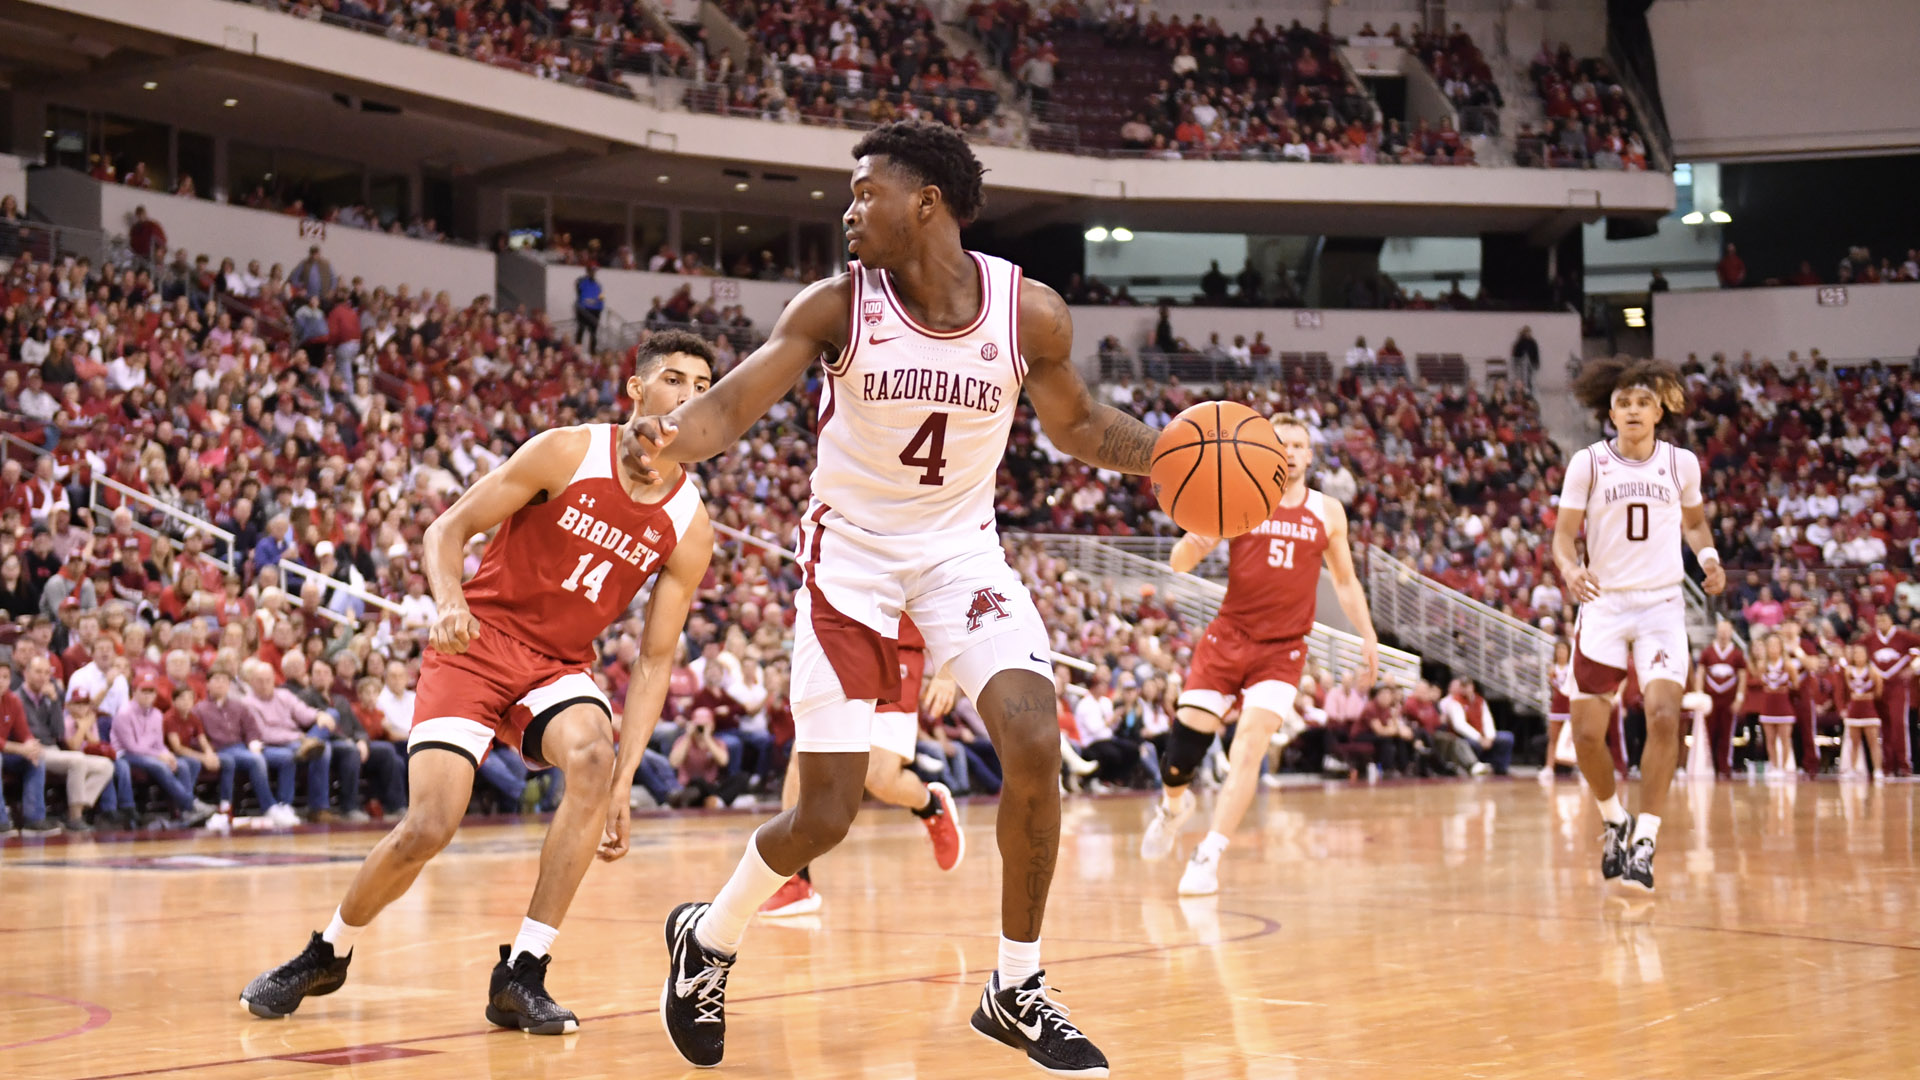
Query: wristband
x=1706 y=553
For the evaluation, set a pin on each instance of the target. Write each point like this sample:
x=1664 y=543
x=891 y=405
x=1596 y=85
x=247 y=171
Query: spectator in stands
x=291 y=731
x=1731 y=271
x=349 y=744
x=232 y=731
x=22 y=754
x=701 y=760
x=186 y=738
x=1213 y=285
x=589 y=301
x=313 y=275
x=146 y=238
x=138 y=737
x=37 y=700
x=1468 y=723
x=1525 y=360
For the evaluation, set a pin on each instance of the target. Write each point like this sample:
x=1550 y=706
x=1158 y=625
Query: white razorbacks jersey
x=914 y=421
x=1633 y=513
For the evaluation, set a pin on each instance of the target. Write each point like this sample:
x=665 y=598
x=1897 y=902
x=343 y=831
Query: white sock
x=723 y=924
x=1611 y=811
x=1213 y=846
x=339 y=935
x=534 y=939
x=1646 y=827
x=1018 y=960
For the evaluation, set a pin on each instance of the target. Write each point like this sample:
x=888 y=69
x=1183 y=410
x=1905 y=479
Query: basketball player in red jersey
x=582 y=526
x=1721 y=674
x=928 y=348
x=895 y=741
x=1892 y=648
x=1254 y=650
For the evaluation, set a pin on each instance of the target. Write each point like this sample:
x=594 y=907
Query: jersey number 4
x=590 y=584
x=932 y=438
x=1280 y=553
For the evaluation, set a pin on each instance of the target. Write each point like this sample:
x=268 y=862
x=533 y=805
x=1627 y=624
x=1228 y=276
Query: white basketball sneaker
x=1202 y=876
x=1164 y=829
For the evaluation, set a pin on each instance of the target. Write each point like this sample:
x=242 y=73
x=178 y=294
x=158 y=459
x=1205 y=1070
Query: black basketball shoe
x=1639 y=872
x=693 y=1003
x=1613 y=852
x=316 y=972
x=1024 y=1018
x=518 y=997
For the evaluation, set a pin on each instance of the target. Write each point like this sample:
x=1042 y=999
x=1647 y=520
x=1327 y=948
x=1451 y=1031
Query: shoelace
x=708 y=989
x=1050 y=1010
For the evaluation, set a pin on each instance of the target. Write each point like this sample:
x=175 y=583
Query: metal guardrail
x=1504 y=656
x=1197 y=600
x=51 y=243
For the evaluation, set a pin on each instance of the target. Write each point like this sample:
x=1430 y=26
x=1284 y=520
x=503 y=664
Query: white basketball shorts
x=1646 y=626
x=975 y=613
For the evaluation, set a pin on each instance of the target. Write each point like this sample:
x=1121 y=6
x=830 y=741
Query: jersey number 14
x=590 y=584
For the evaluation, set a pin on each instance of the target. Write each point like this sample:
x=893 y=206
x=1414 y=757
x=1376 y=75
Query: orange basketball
x=1218 y=469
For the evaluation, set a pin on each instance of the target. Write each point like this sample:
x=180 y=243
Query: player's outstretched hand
x=1716 y=578
x=940 y=694
x=453 y=630
x=613 y=843
x=1585 y=587
x=641 y=440
x=1370 y=656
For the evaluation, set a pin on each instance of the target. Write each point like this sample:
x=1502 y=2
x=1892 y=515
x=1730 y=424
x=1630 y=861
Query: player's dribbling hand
x=1716 y=578
x=1584 y=586
x=453 y=630
x=613 y=843
x=641 y=439
x=1370 y=657
x=940 y=695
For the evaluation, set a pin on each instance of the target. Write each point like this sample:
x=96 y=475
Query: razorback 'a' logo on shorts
x=985 y=602
x=1661 y=660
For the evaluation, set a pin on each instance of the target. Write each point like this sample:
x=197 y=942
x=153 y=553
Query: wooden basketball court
x=1412 y=930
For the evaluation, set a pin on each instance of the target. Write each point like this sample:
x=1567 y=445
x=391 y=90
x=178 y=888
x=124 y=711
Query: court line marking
x=1264 y=928
x=97 y=1016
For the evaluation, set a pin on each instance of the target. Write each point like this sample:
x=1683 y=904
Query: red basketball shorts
x=499 y=688
x=1227 y=664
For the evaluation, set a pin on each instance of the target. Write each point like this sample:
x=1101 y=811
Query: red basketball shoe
x=943 y=828
x=796 y=897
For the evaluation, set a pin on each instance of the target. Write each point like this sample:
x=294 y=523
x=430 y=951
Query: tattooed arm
x=1097 y=434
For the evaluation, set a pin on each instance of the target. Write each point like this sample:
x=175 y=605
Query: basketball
x=1218 y=469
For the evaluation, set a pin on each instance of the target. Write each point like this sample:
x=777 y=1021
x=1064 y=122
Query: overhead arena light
x=1122 y=234
x=1695 y=218
x=231 y=102
x=1633 y=312
x=1720 y=217
x=149 y=85
x=1097 y=233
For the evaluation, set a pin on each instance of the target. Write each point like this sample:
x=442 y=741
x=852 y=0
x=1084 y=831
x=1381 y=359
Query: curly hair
x=1601 y=378
x=663 y=343
x=934 y=154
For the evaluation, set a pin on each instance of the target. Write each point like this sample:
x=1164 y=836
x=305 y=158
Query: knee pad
x=1186 y=749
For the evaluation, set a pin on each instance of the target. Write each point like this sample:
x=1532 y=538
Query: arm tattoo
x=1126 y=444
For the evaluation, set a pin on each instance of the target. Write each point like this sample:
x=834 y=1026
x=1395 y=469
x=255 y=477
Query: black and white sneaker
x=1613 y=853
x=693 y=1003
x=1639 y=872
x=518 y=997
x=316 y=972
x=1024 y=1018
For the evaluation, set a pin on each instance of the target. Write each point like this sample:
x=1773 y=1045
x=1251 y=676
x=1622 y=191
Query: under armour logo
x=985 y=602
x=586 y=500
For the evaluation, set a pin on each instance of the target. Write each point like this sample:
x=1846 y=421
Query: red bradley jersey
x=1720 y=671
x=559 y=572
x=1273 y=572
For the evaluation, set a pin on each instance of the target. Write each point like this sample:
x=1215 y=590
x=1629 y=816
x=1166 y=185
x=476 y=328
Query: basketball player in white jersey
x=928 y=347
x=1638 y=496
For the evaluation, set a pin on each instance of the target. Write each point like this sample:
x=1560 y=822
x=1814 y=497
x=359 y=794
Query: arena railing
x=1197 y=600
x=50 y=243
x=187 y=523
x=1502 y=655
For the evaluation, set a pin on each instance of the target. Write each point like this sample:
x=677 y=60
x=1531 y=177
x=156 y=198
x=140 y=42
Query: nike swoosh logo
x=1035 y=657
x=873 y=340
x=1032 y=1032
